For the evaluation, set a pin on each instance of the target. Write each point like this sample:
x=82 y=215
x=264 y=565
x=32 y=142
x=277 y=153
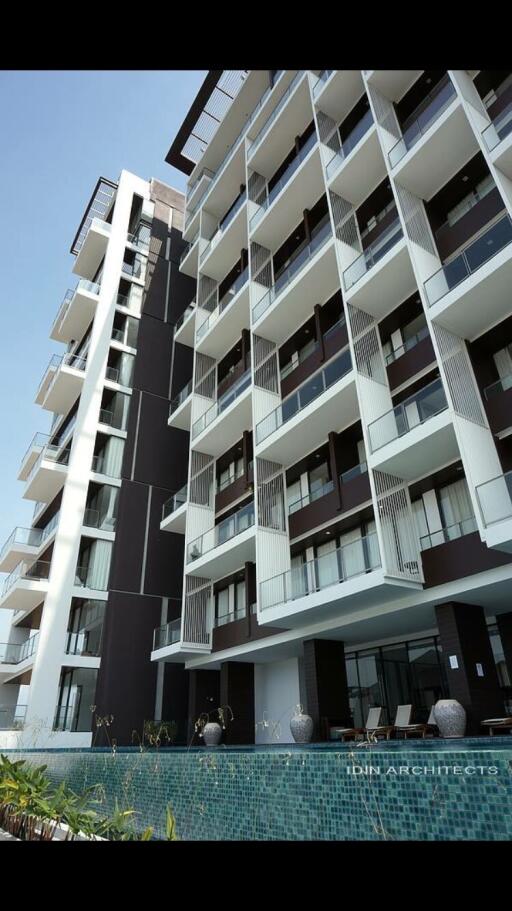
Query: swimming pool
x=428 y=790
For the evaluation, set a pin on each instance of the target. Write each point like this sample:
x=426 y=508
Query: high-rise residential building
x=315 y=493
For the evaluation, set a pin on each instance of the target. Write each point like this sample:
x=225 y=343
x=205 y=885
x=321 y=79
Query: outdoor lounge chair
x=498 y=724
x=402 y=719
x=420 y=728
x=372 y=722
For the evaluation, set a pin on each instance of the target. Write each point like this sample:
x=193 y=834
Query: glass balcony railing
x=354 y=472
x=85 y=577
x=30 y=571
x=238 y=614
x=499 y=128
x=230 y=479
x=204 y=172
x=140 y=239
x=23 y=537
x=135 y=268
x=433 y=106
x=349 y=143
x=188 y=247
x=168 y=634
x=304 y=395
x=112 y=419
x=258 y=139
x=225 y=301
x=180 y=398
x=478 y=252
x=51 y=453
x=495 y=499
x=415 y=410
x=174 y=502
x=373 y=253
x=409 y=343
x=226 y=530
x=284 y=179
x=37 y=442
x=16 y=652
x=223 y=225
x=100 y=466
x=448 y=533
x=12 y=717
x=320 y=235
x=320 y=82
x=221 y=404
x=346 y=562
x=501 y=385
x=184 y=317
x=93 y=518
x=310 y=497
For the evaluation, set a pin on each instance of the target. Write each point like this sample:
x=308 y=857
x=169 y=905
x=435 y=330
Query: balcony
x=201 y=182
x=223 y=327
x=221 y=425
x=283 y=207
x=381 y=274
x=416 y=436
x=174 y=512
x=93 y=249
x=448 y=533
x=168 y=634
x=12 y=717
x=13 y=654
x=180 y=411
x=498 y=135
x=292 y=111
x=393 y=84
x=85 y=578
x=348 y=578
x=481 y=271
x=26 y=586
x=415 y=354
x=498 y=404
x=62 y=383
x=185 y=326
x=189 y=259
x=225 y=547
x=311 y=276
x=495 y=499
x=21 y=543
x=37 y=444
x=359 y=165
x=326 y=401
x=48 y=474
x=76 y=311
x=435 y=144
x=223 y=249
x=337 y=91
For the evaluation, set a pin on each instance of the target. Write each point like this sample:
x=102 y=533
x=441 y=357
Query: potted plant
x=211 y=731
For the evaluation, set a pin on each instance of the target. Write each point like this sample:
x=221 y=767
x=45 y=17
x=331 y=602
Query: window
x=230 y=603
x=222 y=605
x=482 y=188
x=298 y=357
x=456 y=509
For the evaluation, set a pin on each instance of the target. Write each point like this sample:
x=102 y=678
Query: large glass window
x=85 y=628
x=77 y=696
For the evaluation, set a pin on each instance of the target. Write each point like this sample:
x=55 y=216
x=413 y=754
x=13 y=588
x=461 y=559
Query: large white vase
x=450 y=718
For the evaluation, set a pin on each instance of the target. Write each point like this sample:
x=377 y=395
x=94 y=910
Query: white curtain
x=420 y=518
x=99 y=565
x=298 y=577
x=503 y=361
x=352 y=553
x=456 y=509
x=113 y=457
x=126 y=369
x=327 y=564
x=372 y=545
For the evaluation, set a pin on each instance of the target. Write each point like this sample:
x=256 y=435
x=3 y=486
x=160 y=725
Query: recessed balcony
x=223 y=248
x=495 y=499
x=222 y=424
x=48 y=474
x=311 y=276
x=498 y=135
x=381 y=274
x=93 y=249
x=61 y=383
x=225 y=547
x=223 y=326
x=416 y=437
x=26 y=586
x=482 y=271
x=174 y=512
x=16 y=657
x=358 y=165
x=435 y=145
x=189 y=258
x=498 y=404
x=76 y=311
x=327 y=400
x=185 y=326
x=284 y=206
x=347 y=579
x=180 y=412
x=415 y=354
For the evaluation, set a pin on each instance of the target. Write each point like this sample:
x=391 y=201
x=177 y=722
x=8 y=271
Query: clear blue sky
x=60 y=132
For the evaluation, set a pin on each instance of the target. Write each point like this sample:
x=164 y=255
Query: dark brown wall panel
x=128 y=550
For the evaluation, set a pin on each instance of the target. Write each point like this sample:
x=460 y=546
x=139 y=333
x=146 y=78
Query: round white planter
x=301 y=727
x=212 y=732
x=450 y=718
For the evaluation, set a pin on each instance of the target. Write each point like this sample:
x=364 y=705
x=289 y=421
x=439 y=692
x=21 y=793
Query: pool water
x=426 y=790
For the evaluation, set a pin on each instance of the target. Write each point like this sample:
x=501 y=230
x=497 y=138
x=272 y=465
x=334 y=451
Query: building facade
x=315 y=493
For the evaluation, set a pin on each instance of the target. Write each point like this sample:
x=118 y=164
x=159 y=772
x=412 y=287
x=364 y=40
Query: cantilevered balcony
x=346 y=579
x=26 y=586
x=225 y=547
x=498 y=135
x=37 y=444
x=48 y=473
x=336 y=92
x=230 y=314
x=93 y=249
x=359 y=164
x=174 y=512
x=382 y=274
x=189 y=259
x=415 y=437
x=21 y=543
x=76 y=311
x=168 y=634
x=181 y=408
x=221 y=425
x=326 y=401
x=61 y=383
x=311 y=276
x=229 y=238
x=498 y=404
x=17 y=657
x=495 y=499
x=292 y=112
x=482 y=271
x=185 y=326
x=435 y=142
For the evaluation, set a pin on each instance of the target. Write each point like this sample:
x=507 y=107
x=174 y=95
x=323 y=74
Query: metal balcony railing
x=225 y=301
x=437 y=100
x=238 y=614
x=320 y=82
x=309 y=391
x=51 y=453
x=16 y=652
x=346 y=562
x=349 y=143
x=310 y=497
x=373 y=253
x=409 y=343
x=184 y=317
x=285 y=178
x=499 y=129
x=168 y=634
x=495 y=499
x=275 y=113
x=174 y=502
x=221 y=404
x=412 y=412
x=93 y=518
x=448 y=533
x=354 y=472
x=223 y=225
x=30 y=571
x=225 y=531
x=501 y=385
x=474 y=255
x=181 y=397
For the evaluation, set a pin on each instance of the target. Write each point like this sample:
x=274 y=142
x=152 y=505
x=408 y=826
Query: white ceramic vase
x=212 y=732
x=301 y=727
x=450 y=718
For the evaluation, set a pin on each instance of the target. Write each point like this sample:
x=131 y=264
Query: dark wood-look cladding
x=499 y=410
x=381 y=226
x=411 y=362
x=460 y=558
x=353 y=494
x=304 y=370
x=237 y=692
x=336 y=341
x=450 y=238
x=325 y=682
x=240 y=632
x=232 y=493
